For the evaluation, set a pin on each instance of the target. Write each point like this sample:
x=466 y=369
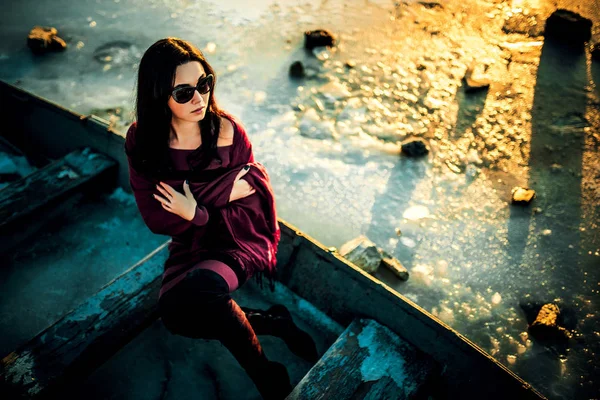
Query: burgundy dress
x=208 y=241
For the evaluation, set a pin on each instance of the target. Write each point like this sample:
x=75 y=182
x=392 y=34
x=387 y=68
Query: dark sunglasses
x=185 y=93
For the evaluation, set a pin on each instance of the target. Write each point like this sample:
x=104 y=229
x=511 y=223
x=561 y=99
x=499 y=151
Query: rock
x=545 y=326
x=595 y=50
x=415 y=148
x=522 y=196
x=523 y=24
x=568 y=27
x=297 y=70
x=431 y=4
x=350 y=64
x=475 y=84
x=318 y=38
x=42 y=40
x=394 y=265
x=362 y=252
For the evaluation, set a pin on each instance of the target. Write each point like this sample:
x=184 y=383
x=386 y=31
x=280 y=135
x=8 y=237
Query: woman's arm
x=158 y=220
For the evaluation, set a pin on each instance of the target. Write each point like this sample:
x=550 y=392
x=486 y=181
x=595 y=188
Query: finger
x=164 y=192
x=166 y=207
x=168 y=188
x=161 y=199
x=186 y=189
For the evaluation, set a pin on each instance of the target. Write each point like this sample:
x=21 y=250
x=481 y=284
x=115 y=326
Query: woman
x=194 y=178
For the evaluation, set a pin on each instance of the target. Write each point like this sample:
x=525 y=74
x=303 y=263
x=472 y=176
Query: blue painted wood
x=83 y=339
x=26 y=204
x=369 y=361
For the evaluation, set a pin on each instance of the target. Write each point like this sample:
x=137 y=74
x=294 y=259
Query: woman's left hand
x=183 y=205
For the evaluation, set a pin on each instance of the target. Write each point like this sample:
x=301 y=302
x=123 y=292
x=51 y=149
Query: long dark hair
x=156 y=76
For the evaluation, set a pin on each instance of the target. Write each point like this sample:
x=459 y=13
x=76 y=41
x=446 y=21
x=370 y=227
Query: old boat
x=81 y=275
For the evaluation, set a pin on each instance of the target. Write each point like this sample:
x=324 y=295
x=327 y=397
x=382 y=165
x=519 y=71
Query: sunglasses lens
x=205 y=84
x=183 y=95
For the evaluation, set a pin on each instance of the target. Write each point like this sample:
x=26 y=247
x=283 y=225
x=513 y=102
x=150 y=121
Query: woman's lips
x=198 y=111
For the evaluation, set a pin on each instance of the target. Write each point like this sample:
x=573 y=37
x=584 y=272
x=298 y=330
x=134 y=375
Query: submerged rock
x=42 y=39
x=297 y=70
x=362 y=252
x=318 y=38
x=545 y=327
x=415 y=148
x=522 y=196
x=568 y=27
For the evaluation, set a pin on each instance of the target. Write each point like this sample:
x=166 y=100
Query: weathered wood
x=369 y=361
x=74 y=346
x=28 y=203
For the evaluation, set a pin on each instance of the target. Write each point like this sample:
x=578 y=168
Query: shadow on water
x=389 y=207
x=551 y=270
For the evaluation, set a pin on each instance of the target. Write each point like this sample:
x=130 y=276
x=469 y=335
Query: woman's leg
x=200 y=307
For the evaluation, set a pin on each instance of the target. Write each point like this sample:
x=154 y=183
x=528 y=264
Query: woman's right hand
x=241 y=188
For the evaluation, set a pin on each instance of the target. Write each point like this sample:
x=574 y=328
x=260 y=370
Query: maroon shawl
x=252 y=224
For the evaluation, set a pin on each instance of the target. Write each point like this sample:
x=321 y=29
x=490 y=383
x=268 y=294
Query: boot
x=238 y=336
x=277 y=321
x=272 y=380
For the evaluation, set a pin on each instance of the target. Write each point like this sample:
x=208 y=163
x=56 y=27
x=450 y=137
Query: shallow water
x=330 y=142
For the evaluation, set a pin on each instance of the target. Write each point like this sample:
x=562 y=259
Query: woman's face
x=189 y=74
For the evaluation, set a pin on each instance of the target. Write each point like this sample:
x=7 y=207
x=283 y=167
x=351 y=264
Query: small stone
x=398 y=232
x=545 y=326
x=363 y=253
x=350 y=64
x=547 y=232
x=297 y=70
x=474 y=84
x=556 y=167
x=537 y=210
x=396 y=267
x=568 y=27
x=431 y=4
x=43 y=39
x=415 y=148
x=318 y=38
x=522 y=195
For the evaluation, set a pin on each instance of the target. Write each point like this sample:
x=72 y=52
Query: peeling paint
x=383 y=359
x=21 y=372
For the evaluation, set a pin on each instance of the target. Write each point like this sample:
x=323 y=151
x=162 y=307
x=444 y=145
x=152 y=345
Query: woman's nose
x=197 y=97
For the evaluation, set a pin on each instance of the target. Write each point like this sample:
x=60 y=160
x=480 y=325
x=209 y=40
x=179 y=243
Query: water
x=330 y=142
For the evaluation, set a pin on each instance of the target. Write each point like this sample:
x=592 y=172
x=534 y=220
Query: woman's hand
x=241 y=188
x=183 y=205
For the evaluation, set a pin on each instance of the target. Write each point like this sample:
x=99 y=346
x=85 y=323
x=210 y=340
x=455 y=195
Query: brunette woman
x=194 y=178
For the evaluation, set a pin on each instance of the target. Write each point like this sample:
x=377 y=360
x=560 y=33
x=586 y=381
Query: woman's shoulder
x=130 y=136
x=235 y=129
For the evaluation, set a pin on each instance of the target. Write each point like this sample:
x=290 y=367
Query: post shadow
x=391 y=204
x=555 y=167
x=552 y=269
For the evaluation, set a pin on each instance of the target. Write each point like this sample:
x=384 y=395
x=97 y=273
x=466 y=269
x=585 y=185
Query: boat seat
x=28 y=203
x=369 y=361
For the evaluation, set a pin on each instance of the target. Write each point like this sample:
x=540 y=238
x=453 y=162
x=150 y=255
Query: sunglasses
x=185 y=93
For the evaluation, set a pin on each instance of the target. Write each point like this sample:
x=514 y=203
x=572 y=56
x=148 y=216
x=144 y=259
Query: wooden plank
x=369 y=361
x=27 y=204
x=74 y=346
